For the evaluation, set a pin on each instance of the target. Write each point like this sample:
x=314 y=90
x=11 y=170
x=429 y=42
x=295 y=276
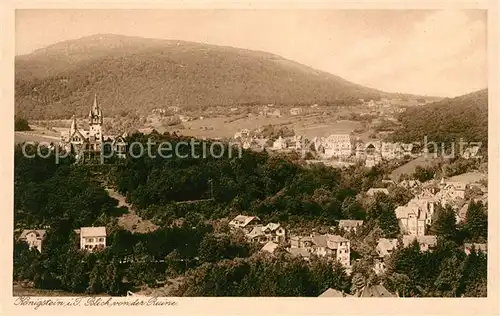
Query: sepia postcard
x=250 y=158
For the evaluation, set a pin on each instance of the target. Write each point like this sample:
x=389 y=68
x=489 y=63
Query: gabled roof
x=385 y=246
x=256 y=232
x=271 y=226
x=456 y=185
x=270 y=247
x=78 y=133
x=462 y=213
x=376 y=291
x=322 y=240
x=333 y=293
x=429 y=240
x=92 y=231
x=319 y=240
x=40 y=233
x=405 y=211
x=336 y=238
x=243 y=220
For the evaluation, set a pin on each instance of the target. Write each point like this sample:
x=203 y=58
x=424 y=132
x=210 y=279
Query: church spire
x=94 y=110
x=72 y=129
x=95 y=106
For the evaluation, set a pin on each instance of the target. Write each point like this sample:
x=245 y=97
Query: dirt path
x=130 y=220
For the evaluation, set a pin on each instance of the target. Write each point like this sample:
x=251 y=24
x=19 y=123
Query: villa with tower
x=90 y=142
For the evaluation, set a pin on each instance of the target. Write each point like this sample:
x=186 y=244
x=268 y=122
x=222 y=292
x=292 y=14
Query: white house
x=275 y=232
x=384 y=249
x=280 y=143
x=296 y=111
x=257 y=234
x=334 y=246
x=92 y=238
x=350 y=224
x=33 y=237
x=242 y=221
x=455 y=189
x=412 y=220
x=338 y=145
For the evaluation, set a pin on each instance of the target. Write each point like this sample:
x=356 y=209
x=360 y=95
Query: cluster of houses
x=270 y=111
x=273 y=234
x=336 y=146
x=256 y=232
x=416 y=216
x=343 y=147
x=91 y=238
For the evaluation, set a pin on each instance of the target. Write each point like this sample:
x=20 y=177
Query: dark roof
x=376 y=291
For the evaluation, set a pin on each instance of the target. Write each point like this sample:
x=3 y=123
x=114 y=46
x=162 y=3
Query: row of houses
x=91 y=238
x=386 y=246
x=273 y=234
x=257 y=232
x=341 y=146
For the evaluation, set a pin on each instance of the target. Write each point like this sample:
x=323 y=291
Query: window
x=101 y=239
x=90 y=239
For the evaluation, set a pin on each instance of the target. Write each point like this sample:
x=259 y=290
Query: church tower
x=95 y=121
x=73 y=126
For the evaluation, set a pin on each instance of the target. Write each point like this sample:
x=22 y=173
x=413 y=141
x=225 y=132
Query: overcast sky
x=440 y=53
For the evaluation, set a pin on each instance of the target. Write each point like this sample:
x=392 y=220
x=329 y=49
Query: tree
x=324 y=276
x=474 y=278
x=448 y=281
x=358 y=284
x=445 y=223
x=389 y=224
x=112 y=280
x=352 y=209
x=400 y=195
x=21 y=124
x=423 y=173
x=401 y=284
x=96 y=279
x=476 y=225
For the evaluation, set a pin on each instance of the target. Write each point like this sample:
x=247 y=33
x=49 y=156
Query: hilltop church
x=93 y=140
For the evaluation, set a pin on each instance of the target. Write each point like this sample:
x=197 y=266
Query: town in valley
x=338 y=190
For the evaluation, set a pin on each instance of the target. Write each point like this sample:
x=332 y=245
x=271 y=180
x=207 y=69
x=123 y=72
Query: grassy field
x=226 y=127
x=409 y=167
x=469 y=177
x=21 y=137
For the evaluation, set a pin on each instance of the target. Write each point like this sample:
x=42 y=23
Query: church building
x=90 y=142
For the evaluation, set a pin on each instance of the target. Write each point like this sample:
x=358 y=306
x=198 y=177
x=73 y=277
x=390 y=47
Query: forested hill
x=139 y=73
x=447 y=120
